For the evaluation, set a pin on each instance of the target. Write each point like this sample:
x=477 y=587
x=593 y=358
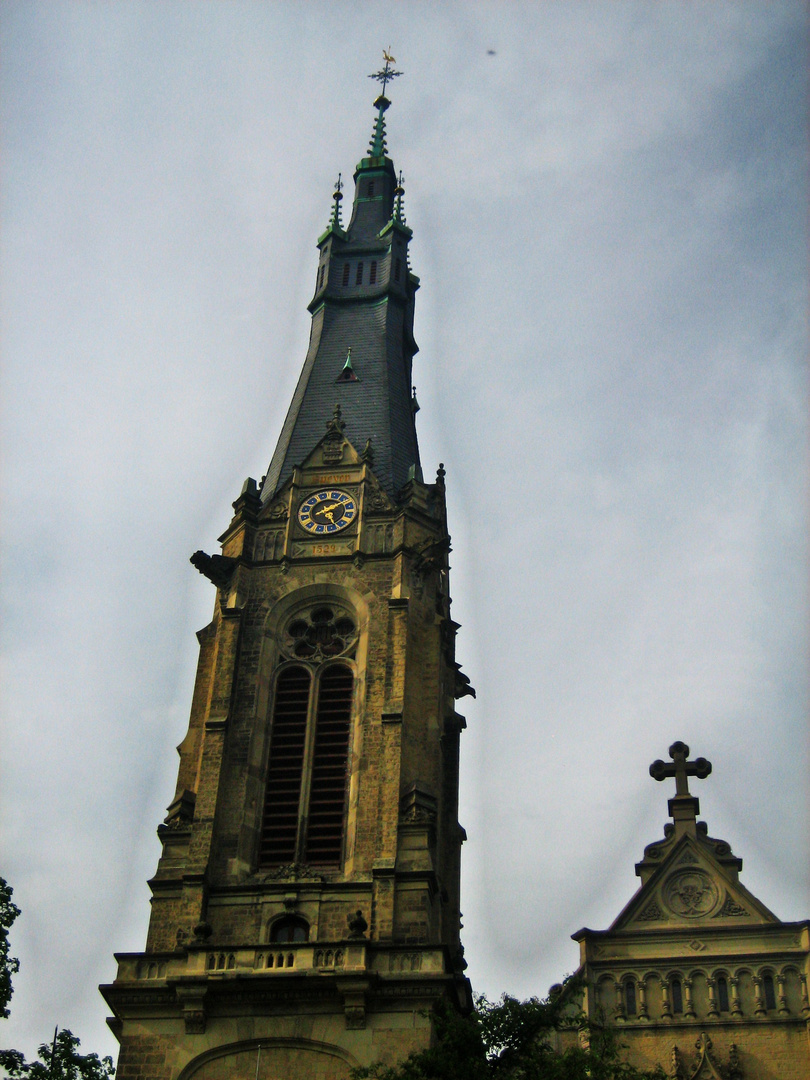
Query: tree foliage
x=9 y=965
x=516 y=1040
x=58 y=1061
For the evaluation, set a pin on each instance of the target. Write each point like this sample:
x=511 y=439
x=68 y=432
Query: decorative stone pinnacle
x=399 y=191
x=337 y=196
x=681 y=769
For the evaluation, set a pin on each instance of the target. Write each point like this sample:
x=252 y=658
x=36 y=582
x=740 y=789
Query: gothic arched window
x=722 y=993
x=677 y=995
x=310 y=737
x=372 y=274
x=630 y=997
x=768 y=988
x=359 y=275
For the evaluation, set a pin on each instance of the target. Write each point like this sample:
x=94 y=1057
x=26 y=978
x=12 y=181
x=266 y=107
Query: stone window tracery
x=320 y=633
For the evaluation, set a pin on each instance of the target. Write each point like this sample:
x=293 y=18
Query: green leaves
x=537 y=1039
x=59 y=1061
x=9 y=965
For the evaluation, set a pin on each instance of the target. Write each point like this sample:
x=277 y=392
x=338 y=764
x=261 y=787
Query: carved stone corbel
x=354 y=1002
x=192 y=1002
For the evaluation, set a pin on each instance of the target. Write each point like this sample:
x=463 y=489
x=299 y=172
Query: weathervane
x=387 y=74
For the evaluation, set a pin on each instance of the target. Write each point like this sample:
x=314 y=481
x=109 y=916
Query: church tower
x=305 y=908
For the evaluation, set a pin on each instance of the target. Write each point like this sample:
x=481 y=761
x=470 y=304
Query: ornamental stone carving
x=691 y=894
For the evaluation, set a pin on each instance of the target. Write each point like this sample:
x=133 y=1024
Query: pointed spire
x=377 y=147
x=335 y=221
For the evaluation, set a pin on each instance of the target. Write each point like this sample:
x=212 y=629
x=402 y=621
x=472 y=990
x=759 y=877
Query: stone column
x=618 y=990
x=734 y=984
x=642 y=999
x=666 y=1010
x=713 y=1010
x=689 y=1011
x=782 y=996
x=759 y=1006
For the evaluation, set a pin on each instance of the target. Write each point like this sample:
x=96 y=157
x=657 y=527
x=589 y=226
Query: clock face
x=327 y=512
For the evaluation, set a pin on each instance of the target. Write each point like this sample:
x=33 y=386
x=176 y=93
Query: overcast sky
x=609 y=212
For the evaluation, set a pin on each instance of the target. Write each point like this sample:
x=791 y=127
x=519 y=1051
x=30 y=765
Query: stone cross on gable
x=684 y=807
x=681 y=768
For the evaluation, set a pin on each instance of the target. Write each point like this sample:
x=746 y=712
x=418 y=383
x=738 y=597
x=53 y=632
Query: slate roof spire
x=363 y=302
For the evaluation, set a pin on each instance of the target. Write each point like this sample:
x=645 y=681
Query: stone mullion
x=805 y=999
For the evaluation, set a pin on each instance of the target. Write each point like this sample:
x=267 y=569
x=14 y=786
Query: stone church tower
x=305 y=909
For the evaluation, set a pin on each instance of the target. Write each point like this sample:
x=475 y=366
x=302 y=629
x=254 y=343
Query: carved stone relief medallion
x=691 y=894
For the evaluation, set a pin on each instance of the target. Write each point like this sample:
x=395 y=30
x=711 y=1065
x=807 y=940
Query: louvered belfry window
x=327 y=796
x=310 y=737
x=285 y=771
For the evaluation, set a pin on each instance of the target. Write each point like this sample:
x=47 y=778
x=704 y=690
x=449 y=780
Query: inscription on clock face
x=327 y=511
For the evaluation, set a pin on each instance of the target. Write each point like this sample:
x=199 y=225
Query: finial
x=440 y=475
x=414 y=402
x=337 y=196
x=368 y=453
x=384 y=76
x=337 y=423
